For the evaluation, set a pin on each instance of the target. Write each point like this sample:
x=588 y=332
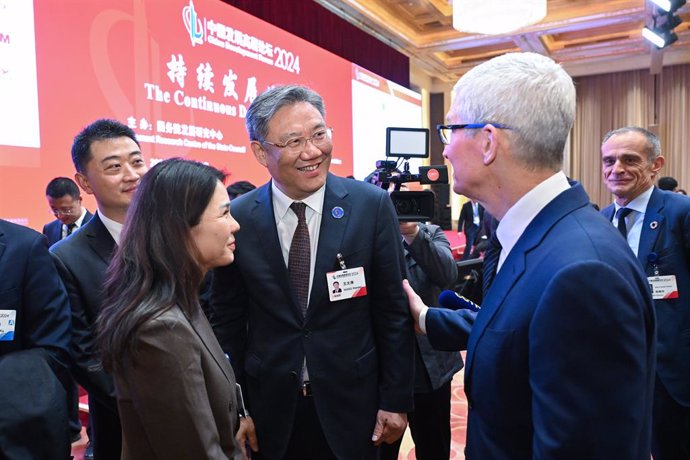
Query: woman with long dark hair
x=176 y=391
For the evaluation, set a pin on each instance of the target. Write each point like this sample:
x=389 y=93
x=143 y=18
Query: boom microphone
x=454 y=301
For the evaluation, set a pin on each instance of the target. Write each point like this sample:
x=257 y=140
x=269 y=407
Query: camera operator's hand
x=409 y=231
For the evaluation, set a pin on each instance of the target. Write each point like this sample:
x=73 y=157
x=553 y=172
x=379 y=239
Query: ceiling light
x=661 y=32
x=669 y=5
x=660 y=38
x=494 y=17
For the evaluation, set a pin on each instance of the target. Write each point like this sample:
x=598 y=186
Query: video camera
x=403 y=144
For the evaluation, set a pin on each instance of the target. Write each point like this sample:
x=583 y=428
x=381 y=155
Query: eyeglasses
x=297 y=144
x=445 y=132
x=63 y=212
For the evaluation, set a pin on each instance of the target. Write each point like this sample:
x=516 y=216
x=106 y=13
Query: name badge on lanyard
x=663 y=287
x=8 y=318
x=346 y=284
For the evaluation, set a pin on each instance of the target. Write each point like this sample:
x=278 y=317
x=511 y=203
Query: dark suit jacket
x=359 y=351
x=53 y=230
x=669 y=239
x=431 y=268
x=560 y=360
x=30 y=286
x=466 y=220
x=82 y=260
x=177 y=395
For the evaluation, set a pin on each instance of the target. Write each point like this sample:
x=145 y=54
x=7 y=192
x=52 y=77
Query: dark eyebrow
x=117 y=157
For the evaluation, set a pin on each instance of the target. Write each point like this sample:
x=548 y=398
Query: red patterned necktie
x=299 y=260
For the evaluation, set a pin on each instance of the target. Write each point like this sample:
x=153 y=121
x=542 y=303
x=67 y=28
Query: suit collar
x=514 y=265
x=651 y=226
x=337 y=212
x=263 y=218
x=209 y=341
x=99 y=238
x=331 y=233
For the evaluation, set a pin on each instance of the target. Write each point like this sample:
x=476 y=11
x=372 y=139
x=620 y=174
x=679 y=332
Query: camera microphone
x=454 y=301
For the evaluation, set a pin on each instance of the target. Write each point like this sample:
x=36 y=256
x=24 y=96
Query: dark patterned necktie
x=299 y=260
x=491 y=256
x=621 y=214
x=70 y=229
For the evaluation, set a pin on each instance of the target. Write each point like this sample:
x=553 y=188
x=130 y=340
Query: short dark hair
x=265 y=106
x=240 y=187
x=99 y=130
x=156 y=265
x=668 y=183
x=61 y=186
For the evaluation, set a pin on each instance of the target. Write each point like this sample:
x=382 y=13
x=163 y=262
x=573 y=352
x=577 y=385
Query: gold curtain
x=660 y=103
x=674 y=123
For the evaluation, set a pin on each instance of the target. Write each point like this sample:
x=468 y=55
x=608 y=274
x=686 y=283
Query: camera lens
x=406 y=205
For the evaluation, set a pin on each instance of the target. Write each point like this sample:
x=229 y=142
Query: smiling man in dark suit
x=656 y=225
x=560 y=359
x=327 y=375
x=109 y=166
x=64 y=200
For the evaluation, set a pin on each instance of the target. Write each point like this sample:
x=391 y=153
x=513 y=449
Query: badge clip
x=341 y=262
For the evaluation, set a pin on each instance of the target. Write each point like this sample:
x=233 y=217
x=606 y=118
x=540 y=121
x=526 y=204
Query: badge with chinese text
x=663 y=287
x=346 y=284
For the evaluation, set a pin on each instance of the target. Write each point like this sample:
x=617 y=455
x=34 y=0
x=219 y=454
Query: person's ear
x=490 y=139
x=83 y=182
x=259 y=152
x=657 y=164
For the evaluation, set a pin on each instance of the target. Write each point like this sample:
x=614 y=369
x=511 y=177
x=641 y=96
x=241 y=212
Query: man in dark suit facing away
x=64 y=200
x=656 y=226
x=34 y=349
x=560 y=359
x=326 y=375
x=109 y=166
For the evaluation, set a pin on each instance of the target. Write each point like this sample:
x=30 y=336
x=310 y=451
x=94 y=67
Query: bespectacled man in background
x=64 y=200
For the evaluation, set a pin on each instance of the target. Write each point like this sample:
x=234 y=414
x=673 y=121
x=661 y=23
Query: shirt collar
x=638 y=204
x=282 y=202
x=80 y=221
x=520 y=215
x=114 y=228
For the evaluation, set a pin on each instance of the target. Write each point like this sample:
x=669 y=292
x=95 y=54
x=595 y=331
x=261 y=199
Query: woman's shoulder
x=171 y=318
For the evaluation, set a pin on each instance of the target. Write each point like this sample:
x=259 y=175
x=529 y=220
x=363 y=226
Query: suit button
x=306 y=333
x=470 y=406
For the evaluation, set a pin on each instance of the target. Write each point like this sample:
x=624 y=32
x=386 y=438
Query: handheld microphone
x=454 y=301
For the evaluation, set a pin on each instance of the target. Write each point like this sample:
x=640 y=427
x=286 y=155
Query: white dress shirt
x=518 y=217
x=114 y=228
x=286 y=223
x=77 y=224
x=634 y=220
